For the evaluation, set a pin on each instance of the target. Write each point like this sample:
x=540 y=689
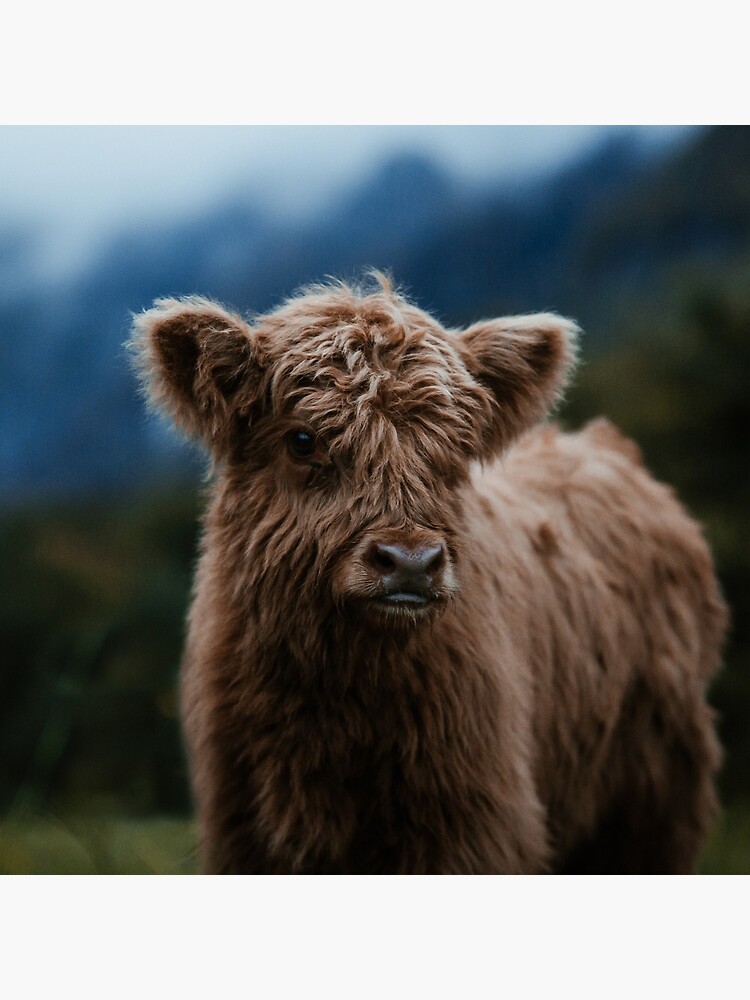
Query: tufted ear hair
x=200 y=364
x=525 y=362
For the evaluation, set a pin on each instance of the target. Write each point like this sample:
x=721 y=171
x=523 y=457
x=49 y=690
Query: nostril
x=409 y=565
x=433 y=559
x=381 y=560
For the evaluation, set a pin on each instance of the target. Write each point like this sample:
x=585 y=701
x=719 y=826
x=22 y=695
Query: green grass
x=727 y=850
x=166 y=846
x=85 y=846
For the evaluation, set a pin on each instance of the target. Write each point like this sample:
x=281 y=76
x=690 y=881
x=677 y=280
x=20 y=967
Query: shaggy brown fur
x=527 y=696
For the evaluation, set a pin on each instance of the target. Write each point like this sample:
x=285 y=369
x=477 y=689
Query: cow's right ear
x=200 y=365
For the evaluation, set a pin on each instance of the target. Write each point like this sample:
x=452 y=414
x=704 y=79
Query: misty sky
x=74 y=183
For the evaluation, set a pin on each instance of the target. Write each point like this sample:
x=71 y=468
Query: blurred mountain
x=594 y=240
x=406 y=202
x=697 y=203
x=515 y=252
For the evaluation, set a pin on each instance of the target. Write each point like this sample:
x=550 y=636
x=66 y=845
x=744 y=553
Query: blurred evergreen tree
x=92 y=604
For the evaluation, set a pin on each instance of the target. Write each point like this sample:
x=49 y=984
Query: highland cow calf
x=429 y=636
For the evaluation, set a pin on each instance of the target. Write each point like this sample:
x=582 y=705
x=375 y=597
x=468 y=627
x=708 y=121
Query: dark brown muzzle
x=408 y=574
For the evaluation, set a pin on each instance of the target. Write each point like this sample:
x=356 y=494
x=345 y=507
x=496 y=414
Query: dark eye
x=301 y=444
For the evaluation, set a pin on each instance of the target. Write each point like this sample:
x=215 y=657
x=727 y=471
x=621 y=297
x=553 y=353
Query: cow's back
x=623 y=616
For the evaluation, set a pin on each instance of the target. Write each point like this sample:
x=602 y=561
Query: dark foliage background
x=649 y=248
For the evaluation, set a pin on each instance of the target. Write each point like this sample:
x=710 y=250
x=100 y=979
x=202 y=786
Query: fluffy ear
x=200 y=365
x=525 y=362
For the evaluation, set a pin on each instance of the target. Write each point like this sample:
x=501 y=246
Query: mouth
x=406 y=601
x=405 y=597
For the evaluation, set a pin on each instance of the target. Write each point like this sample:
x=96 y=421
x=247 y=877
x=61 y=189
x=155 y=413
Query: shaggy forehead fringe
x=373 y=306
x=373 y=284
x=355 y=358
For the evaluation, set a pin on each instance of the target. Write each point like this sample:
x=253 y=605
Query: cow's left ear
x=525 y=362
